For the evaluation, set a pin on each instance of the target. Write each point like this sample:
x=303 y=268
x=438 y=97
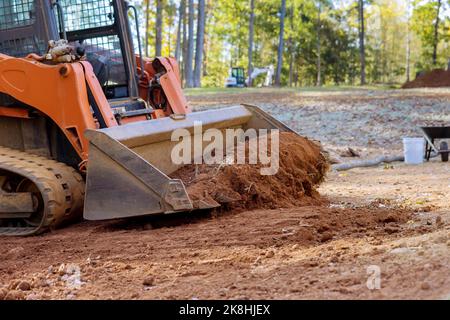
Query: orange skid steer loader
x=85 y=124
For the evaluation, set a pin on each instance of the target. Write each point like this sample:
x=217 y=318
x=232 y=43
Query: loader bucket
x=129 y=165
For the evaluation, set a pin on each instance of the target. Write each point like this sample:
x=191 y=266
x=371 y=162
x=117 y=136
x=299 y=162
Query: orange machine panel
x=170 y=82
x=14 y=112
x=59 y=91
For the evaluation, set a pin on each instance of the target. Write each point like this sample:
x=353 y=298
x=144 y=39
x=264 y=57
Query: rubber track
x=61 y=187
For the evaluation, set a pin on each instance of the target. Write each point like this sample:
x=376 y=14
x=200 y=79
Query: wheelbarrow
x=432 y=134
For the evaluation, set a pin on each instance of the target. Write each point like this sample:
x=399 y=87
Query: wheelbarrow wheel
x=444 y=151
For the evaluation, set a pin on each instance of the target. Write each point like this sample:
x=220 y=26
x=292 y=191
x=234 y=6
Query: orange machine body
x=163 y=75
x=60 y=92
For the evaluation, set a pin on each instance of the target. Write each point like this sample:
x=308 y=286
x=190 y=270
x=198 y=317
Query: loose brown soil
x=302 y=166
x=433 y=79
x=227 y=254
x=394 y=217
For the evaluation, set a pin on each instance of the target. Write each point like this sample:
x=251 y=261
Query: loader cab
x=100 y=26
x=26 y=26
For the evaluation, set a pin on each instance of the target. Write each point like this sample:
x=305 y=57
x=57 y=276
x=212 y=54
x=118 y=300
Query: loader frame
x=119 y=140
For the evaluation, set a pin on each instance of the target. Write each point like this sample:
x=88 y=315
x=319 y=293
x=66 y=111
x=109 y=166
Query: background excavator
x=237 y=77
x=85 y=124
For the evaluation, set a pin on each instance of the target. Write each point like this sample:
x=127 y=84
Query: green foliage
x=424 y=19
x=226 y=38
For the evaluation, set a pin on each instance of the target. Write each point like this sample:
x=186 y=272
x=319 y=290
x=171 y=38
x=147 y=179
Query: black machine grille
x=108 y=48
x=86 y=14
x=103 y=51
x=16 y=13
x=82 y=18
x=20 y=47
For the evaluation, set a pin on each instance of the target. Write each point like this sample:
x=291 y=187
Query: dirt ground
x=372 y=122
x=387 y=225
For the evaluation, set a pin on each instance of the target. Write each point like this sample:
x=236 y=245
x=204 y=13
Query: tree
x=291 y=45
x=280 y=44
x=408 y=44
x=362 y=48
x=330 y=42
x=207 y=42
x=200 y=44
x=182 y=10
x=185 y=42
x=431 y=30
x=251 y=27
x=190 y=47
x=147 y=26
x=436 y=32
x=159 y=21
x=319 y=49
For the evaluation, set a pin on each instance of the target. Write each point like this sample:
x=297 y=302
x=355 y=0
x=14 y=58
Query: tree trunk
x=159 y=21
x=408 y=45
x=147 y=27
x=408 y=57
x=207 y=45
x=205 y=56
x=169 y=41
x=362 y=48
x=251 y=28
x=436 y=32
x=185 y=42
x=319 y=47
x=190 y=49
x=179 y=31
x=291 y=47
x=281 y=44
x=366 y=163
x=291 y=68
x=200 y=44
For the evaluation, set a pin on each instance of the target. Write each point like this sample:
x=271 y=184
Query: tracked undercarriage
x=36 y=194
x=72 y=89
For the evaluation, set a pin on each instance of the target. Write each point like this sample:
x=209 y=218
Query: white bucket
x=414 y=150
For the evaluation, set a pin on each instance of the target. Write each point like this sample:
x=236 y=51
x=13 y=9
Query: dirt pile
x=302 y=167
x=433 y=79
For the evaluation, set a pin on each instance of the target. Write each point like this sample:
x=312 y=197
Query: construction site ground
x=386 y=225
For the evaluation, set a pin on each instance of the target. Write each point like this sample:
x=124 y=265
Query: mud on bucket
x=414 y=150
